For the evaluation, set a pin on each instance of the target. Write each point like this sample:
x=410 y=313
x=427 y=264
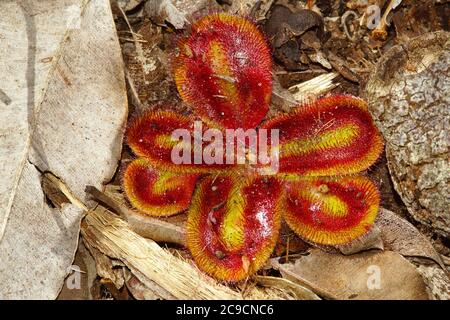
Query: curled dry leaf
x=368 y=275
x=401 y=236
x=61 y=64
x=395 y=234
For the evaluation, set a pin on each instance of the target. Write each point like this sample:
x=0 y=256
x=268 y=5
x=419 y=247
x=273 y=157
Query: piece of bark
x=408 y=97
x=63 y=72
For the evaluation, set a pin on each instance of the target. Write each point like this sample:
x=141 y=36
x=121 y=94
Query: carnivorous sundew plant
x=222 y=69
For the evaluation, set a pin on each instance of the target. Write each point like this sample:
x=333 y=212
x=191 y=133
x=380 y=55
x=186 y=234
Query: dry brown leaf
x=372 y=240
x=356 y=276
x=401 y=236
x=61 y=69
x=408 y=97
